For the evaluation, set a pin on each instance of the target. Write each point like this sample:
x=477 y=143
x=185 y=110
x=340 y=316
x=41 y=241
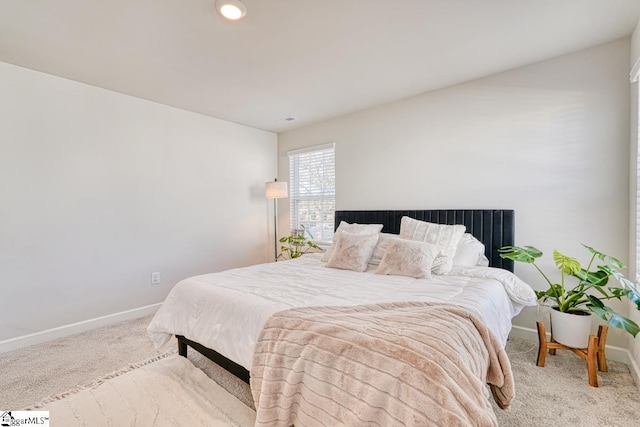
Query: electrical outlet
x=155 y=278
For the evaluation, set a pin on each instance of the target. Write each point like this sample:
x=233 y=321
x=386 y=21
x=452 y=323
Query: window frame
x=326 y=195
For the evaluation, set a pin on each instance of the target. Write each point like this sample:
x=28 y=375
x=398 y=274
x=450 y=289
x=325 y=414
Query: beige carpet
x=166 y=392
x=32 y=373
x=557 y=394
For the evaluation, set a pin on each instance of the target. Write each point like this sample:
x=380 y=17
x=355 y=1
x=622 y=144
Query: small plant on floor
x=296 y=244
x=592 y=288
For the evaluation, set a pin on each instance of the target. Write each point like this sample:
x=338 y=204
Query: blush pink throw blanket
x=404 y=364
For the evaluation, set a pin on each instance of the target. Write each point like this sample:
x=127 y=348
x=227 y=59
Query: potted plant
x=590 y=289
x=296 y=244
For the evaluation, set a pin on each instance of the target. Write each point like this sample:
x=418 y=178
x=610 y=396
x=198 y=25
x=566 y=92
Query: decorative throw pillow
x=408 y=258
x=446 y=237
x=352 y=251
x=381 y=248
x=470 y=251
x=484 y=262
x=354 y=229
x=442 y=264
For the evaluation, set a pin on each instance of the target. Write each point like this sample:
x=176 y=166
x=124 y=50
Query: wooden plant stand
x=593 y=354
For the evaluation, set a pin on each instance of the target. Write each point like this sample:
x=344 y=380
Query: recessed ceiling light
x=233 y=10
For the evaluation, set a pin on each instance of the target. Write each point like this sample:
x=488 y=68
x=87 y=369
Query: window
x=313 y=191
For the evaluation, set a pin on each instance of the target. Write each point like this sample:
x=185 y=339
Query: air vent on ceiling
x=286 y=119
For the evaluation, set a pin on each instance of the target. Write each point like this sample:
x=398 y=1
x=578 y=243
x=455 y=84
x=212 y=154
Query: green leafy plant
x=296 y=244
x=592 y=288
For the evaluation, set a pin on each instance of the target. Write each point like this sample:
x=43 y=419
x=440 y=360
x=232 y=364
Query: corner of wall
x=634 y=344
x=635 y=47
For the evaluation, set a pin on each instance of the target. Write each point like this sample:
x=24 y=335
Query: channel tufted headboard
x=493 y=227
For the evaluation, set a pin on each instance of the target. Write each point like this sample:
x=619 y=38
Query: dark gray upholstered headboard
x=493 y=227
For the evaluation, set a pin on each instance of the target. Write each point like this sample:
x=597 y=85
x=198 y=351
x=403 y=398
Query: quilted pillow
x=352 y=251
x=446 y=237
x=442 y=264
x=408 y=258
x=470 y=252
x=354 y=229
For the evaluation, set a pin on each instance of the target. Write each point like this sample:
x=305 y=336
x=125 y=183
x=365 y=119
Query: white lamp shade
x=276 y=190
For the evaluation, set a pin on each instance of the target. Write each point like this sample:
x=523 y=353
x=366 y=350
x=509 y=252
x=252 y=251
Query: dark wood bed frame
x=493 y=227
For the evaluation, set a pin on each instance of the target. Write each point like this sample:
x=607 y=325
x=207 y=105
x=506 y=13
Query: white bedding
x=226 y=311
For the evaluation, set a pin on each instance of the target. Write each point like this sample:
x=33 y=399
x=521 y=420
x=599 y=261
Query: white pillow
x=352 y=251
x=381 y=248
x=354 y=229
x=446 y=237
x=470 y=252
x=442 y=264
x=408 y=258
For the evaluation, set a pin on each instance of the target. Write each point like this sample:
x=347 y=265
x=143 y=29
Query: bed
x=223 y=314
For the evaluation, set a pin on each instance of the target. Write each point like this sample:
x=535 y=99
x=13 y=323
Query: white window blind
x=312 y=191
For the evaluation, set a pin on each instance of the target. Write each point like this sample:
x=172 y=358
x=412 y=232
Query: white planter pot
x=571 y=330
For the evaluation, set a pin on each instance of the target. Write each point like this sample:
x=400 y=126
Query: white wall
x=634 y=344
x=635 y=45
x=550 y=140
x=99 y=189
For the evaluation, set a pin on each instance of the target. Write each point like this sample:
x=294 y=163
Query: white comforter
x=226 y=311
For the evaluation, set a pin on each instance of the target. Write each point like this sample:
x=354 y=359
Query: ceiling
x=309 y=59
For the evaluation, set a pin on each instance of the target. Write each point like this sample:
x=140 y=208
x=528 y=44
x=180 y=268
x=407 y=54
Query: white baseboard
x=74 y=328
x=618 y=354
x=635 y=372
